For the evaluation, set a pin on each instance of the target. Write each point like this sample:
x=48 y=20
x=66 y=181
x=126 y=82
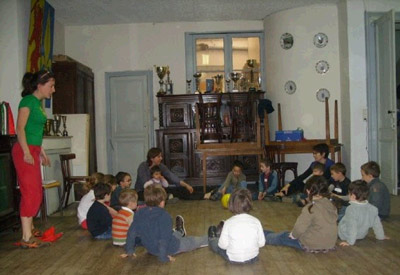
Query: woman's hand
x=127 y=255
x=285 y=189
x=261 y=196
x=171 y=259
x=344 y=244
x=44 y=158
x=29 y=159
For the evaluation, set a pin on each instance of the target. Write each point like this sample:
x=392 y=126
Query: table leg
x=204 y=172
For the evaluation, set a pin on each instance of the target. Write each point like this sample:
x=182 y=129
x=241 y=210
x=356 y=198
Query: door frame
x=108 y=76
x=372 y=106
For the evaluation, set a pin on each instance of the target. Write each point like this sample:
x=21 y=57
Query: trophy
x=218 y=80
x=251 y=63
x=235 y=77
x=168 y=85
x=47 y=127
x=188 y=89
x=228 y=84
x=161 y=71
x=56 y=123
x=64 y=120
x=197 y=79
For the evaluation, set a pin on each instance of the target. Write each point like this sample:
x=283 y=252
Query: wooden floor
x=77 y=253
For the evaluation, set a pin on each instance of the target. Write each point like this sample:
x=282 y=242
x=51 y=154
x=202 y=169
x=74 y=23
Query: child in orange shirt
x=121 y=222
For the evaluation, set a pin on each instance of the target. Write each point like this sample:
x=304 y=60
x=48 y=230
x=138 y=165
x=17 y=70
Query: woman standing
x=28 y=152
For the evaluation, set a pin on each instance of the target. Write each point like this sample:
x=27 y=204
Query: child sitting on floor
x=124 y=181
x=156 y=177
x=301 y=198
x=121 y=222
x=378 y=193
x=360 y=216
x=153 y=225
x=340 y=184
x=320 y=154
x=267 y=182
x=88 y=199
x=99 y=220
x=315 y=229
x=234 y=180
x=242 y=235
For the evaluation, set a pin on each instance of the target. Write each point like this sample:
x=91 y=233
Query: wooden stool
x=43 y=207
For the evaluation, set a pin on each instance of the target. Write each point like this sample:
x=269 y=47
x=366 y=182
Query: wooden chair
x=68 y=179
x=242 y=118
x=43 y=207
x=210 y=119
x=273 y=153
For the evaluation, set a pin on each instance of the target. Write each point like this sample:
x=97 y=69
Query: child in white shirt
x=156 y=177
x=242 y=235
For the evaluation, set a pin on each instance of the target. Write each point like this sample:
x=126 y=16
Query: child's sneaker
x=180 y=225
x=219 y=227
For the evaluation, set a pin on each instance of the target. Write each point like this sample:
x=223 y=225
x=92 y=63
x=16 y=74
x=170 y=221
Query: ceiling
x=99 y=12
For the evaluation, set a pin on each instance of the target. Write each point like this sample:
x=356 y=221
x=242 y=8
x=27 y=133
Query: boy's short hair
x=319 y=167
x=266 y=162
x=155 y=169
x=240 y=201
x=154 y=195
x=339 y=168
x=101 y=190
x=110 y=179
x=359 y=189
x=322 y=148
x=121 y=176
x=126 y=196
x=371 y=168
x=237 y=163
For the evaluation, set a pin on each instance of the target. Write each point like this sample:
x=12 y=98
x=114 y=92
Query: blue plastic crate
x=289 y=135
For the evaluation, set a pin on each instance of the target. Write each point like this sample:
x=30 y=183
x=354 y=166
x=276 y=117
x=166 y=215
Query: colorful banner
x=41 y=33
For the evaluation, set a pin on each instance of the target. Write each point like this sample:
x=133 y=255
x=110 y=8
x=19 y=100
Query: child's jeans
x=230 y=189
x=281 y=238
x=104 y=236
x=213 y=243
x=187 y=244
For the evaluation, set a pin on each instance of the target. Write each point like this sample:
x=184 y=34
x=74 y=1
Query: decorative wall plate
x=320 y=40
x=322 y=67
x=290 y=87
x=323 y=94
x=286 y=41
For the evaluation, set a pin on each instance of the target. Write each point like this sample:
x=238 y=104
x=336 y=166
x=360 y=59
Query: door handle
x=391 y=112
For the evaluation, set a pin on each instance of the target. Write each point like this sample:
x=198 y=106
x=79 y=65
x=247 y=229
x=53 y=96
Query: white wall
x=59 y=38
x=14 y=28
x=113 y=48
x=302 y=109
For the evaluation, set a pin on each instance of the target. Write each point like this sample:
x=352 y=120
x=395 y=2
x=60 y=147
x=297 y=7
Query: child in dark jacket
x=99 y=220
x=153 y=225
x=267 y=182
x=124 y=181
x=378 y=192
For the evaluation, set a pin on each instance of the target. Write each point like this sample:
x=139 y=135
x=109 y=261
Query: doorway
x=382 y=103
x=129 y=101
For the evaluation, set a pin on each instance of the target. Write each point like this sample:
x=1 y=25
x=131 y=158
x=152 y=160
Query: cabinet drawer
x=176 y=153
x=177 y=115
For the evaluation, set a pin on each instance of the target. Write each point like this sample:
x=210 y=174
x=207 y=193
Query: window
x=217 y=55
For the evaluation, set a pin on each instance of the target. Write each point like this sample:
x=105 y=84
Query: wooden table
x=306 y=146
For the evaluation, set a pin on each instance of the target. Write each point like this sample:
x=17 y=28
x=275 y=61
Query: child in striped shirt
x=121 y=222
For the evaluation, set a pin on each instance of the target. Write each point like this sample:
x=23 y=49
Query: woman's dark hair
x=322 y=148
x=359 y=189
x=316 y=185
x=152 y=153
x=240 y=201
x=238 y=163
x=30 y=81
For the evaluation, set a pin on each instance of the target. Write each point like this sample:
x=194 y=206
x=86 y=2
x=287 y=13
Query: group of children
x=333 y=206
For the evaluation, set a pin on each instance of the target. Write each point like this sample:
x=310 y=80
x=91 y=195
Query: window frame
x=191 y=58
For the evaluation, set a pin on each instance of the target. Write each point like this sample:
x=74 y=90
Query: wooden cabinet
x=75 y=95
x=9 y=196
x=177 y=139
